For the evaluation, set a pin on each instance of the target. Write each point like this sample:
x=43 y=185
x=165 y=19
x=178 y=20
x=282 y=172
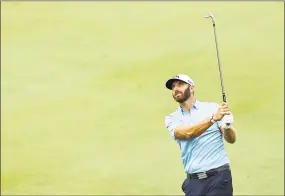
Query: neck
x=187 y=105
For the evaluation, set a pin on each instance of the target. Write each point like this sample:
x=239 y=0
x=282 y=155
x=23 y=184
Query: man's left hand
x=228 y=120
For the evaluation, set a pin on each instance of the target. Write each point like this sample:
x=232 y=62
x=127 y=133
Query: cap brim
x=169 y=82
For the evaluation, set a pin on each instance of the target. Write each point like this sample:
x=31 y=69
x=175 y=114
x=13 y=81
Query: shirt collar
x=195 y=106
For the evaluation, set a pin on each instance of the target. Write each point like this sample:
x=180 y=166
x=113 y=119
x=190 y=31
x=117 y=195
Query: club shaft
x=219 y=64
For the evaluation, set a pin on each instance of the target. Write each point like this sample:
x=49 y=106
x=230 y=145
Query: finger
x=225 y=110
x=224 y=106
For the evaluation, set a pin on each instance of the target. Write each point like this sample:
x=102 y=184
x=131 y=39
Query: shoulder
x=172 y=115
x=208 y=104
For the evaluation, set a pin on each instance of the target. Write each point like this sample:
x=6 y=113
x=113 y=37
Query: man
x=199 y=129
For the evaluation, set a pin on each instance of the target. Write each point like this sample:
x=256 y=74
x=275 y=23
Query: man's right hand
x=221 y=112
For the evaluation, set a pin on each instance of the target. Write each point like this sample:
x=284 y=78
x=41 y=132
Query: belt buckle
x=202 y=175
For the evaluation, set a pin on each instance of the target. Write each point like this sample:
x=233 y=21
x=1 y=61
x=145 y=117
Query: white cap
x=181 y=77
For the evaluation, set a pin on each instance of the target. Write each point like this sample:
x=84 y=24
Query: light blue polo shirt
x=206 y=151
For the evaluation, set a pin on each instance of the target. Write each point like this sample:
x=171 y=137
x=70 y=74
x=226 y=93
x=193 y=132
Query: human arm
x=183 y=132
x=228 y=130
x=188 y=132
x=229 y=134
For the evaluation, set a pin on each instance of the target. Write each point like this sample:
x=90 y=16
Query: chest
x=194 y=117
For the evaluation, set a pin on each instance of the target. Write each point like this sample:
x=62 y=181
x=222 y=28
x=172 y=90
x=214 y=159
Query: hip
x=203 y=165
x=214 y=182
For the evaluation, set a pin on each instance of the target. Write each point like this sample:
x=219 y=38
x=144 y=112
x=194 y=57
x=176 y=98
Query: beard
x=183 y=96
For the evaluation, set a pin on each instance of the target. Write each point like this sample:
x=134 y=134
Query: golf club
x=210 y=15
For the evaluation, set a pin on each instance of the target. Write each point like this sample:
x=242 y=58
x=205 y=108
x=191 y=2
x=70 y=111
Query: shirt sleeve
x=220 y=123
x=171 y=123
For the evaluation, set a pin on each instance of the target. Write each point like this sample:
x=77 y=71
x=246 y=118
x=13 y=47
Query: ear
x=192 y=89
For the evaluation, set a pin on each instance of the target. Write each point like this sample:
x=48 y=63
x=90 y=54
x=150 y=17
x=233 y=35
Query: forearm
x=188 y=132
x=230 y=135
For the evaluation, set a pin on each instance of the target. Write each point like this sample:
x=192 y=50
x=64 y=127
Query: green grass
x=83 y=96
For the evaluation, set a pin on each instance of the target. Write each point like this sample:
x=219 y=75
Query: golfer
x=199 y=128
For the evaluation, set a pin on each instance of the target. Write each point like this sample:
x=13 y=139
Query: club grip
x=224 y=98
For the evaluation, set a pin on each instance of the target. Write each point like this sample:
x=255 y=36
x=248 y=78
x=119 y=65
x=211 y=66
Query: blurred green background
x=84 y=101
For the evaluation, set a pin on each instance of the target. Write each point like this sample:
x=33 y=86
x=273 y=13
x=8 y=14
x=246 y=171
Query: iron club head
x=209 y=15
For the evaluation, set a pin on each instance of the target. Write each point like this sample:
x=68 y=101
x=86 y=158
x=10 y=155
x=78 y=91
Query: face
x=181 y=91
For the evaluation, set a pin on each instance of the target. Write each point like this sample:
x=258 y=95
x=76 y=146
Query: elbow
x=230 y=137
x=231 y=141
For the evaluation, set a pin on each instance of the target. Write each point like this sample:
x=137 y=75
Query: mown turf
x=83 y=96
